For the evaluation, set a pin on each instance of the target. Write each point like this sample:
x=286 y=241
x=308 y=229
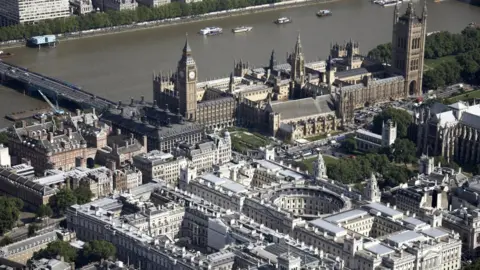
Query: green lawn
x=309 y=162
x=243 y=140
x=433 y=63
x=464 y=96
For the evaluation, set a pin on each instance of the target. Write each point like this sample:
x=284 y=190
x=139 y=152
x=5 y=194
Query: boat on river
x=324 y=13
x=211 y=31
x=283 y=20
x=242 y=29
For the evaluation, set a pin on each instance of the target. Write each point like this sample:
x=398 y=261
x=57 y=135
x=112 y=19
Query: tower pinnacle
x=410 y=9
x=272 y=60
x=186 y=48
x=319 y=168
x=298 y=45
x=424 y=13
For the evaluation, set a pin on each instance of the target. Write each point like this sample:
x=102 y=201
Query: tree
x=64 y=199
x=6 y=241
x=123 y=17
x=3 y=138
x=404 y=150
x=473 y=266
x=350 y=145
x=381 y=53
x=57 y=248
x=9 y=212
x=476 y=169
x=97 y=250
x=32 y=229
x=44 y=211
x=83 y=194
x=401 y=117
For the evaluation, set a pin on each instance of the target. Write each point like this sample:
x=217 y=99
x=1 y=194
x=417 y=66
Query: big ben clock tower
x=186 y=83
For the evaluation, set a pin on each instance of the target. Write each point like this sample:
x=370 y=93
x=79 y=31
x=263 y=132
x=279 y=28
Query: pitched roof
x=304 y=107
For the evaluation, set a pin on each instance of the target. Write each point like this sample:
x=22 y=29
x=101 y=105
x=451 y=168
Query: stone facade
x=299 y=99
x=163 y=129
x=450 y=131
x=215 y=109
x=55 y=144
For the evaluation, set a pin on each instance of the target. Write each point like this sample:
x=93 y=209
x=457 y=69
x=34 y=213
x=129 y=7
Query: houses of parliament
x=299 y=99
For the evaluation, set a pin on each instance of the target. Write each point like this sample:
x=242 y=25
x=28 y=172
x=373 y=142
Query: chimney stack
x=50 y=137
x=111 y=165
x=80 y=162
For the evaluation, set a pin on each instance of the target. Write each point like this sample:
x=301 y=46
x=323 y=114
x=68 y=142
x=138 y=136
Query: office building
x=29 y=12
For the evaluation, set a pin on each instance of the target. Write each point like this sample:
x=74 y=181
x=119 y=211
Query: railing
x=65 y=93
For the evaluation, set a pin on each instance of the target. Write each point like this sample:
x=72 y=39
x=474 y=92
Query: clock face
x=192 y=75
x=181 y=74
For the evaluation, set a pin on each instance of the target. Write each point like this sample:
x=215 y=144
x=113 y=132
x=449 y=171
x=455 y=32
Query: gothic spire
x=272 y=60
x=410 y=9
x=298 y=45
x=319 y=169
x=186 y=48
x=424 y=8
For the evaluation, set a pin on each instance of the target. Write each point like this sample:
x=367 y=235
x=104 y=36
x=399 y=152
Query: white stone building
x=31 y=11
x=5 y=159
x=153 y=3
x=368 y=141
x=81 y=7
x=159 y=165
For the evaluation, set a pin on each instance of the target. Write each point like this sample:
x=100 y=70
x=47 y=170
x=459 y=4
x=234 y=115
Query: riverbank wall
x=171 y=22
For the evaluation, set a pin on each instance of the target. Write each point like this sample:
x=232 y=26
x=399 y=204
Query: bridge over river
x=67 y=94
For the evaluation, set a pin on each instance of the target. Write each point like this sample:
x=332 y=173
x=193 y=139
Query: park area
x=434 y=63
x=243 y=140
x=463 y=97
x=307 y=164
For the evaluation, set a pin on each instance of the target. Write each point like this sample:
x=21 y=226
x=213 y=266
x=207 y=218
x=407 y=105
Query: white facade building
x=81 y=7
x=159 y=165
x=367 y=140
x=153 y=3
x=4 y=156
x=30 y=11
x=319 y=168
x=372 y=192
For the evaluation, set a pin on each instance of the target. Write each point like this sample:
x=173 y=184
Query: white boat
x=324 y=12
x=283 y=20
x=242 y=29
x=391 y=3
x=210 y=31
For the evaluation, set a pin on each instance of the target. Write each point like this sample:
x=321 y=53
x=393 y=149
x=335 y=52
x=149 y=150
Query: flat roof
x=435 y=232
x=327 y=226
x=405 y=237
x=269 y=165
x=385 y=210
x=413 y=221
x=346 y=216
x=213 y=179
x=291 y=173
x=225 y=183
x=379 y=248
x=369 y=133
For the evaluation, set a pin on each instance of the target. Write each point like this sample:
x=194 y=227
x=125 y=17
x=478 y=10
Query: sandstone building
x=299 y=99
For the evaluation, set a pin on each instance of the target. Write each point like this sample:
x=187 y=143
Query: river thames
x=120 y=66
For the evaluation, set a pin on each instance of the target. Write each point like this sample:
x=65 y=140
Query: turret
x=272 y=60
x=371 y=191
x=319 y=168
x=231 y=83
